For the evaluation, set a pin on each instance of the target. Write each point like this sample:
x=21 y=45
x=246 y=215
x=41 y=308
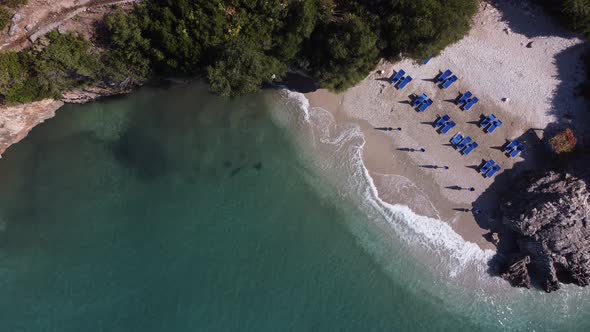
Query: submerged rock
x=549 y=214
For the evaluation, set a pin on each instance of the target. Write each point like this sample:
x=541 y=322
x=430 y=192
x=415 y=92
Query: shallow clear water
x=173 y=210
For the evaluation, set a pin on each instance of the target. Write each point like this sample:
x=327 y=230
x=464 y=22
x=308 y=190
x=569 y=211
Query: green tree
x=242 y=69
x=15 y=3
x=4 y=18
x=300 y=22
x=424 y=27
x=127 y=48
x=343 y=52
x=13 y=77
x=67 y=62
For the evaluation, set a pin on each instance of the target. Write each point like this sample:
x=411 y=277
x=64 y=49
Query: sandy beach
x=527 y=80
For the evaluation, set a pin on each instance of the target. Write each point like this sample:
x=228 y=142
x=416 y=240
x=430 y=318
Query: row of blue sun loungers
x=399 y=81
x=490 y=124
x=422 y=103
x=467 y=101
x=514 y=149
x=490 y=168
x=465 y=145
x=444 y=124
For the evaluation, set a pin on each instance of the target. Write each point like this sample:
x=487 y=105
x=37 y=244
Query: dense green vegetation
x=14 y=3
x=4 y=18
x=65 y=63
x=241 y=45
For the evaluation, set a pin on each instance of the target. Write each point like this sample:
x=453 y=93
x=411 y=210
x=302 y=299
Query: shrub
x=67 y=62
x=13 y=76
x=242 y=69
x=126 y=57
x=15 y=3
x=4 y=18
x=348 y=52
x=563 y=142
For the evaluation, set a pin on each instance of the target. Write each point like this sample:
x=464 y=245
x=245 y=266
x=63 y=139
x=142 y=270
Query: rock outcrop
x=17 y=121
x=518 y=273
x=550 y=215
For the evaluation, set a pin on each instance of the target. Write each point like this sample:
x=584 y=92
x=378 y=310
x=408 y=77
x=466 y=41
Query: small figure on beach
x=388 y=128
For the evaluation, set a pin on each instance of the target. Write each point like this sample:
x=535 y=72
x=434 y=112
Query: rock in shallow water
x=517 y=273
x=549 y=213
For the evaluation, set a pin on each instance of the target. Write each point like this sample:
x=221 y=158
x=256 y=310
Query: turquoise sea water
x=173 y=210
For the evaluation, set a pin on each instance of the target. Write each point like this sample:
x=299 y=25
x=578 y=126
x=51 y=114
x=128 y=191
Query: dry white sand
x=493 y=62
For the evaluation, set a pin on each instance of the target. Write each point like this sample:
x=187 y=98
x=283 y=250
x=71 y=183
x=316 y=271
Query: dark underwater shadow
x=143 y=155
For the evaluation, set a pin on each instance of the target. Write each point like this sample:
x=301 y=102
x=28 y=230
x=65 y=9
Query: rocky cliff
x=550 y=215
x=17 y=121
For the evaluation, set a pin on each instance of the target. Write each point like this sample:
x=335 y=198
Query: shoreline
x=395 y=175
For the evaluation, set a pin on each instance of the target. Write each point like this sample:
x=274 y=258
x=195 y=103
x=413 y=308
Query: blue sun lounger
x=397 y=76
x=514 y=144
x=446 y=84
x=495 y=124
x=470 y=148
x=464 y=98
x=448 y=126
x=418 y=101
x=486 y=167
x=486 y=122
x=456 y=139
x=470 y=104
x=405 y=82
x=444 y=76
x=493 y=171
x=516 y=151
x=463 y=143
x=440 y=122
x=425 y=105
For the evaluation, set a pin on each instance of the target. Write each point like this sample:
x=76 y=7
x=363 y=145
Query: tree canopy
x=241 y=45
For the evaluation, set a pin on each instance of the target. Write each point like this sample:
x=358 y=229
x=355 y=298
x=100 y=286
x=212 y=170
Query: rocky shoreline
x=549 y=214
x=18 y=120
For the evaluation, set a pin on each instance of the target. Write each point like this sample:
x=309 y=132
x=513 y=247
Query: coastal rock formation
x=91 y=93
x=518 y=273
x=550 y=216
x=17 y=121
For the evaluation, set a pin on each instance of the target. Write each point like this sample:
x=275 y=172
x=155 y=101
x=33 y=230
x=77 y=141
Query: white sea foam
x=343 y=149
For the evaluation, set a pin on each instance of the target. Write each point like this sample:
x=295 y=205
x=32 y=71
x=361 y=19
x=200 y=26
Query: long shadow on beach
x=529 y=19
x=568 y=105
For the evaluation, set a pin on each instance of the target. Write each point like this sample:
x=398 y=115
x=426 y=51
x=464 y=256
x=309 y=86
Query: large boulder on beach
x=550 y=215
